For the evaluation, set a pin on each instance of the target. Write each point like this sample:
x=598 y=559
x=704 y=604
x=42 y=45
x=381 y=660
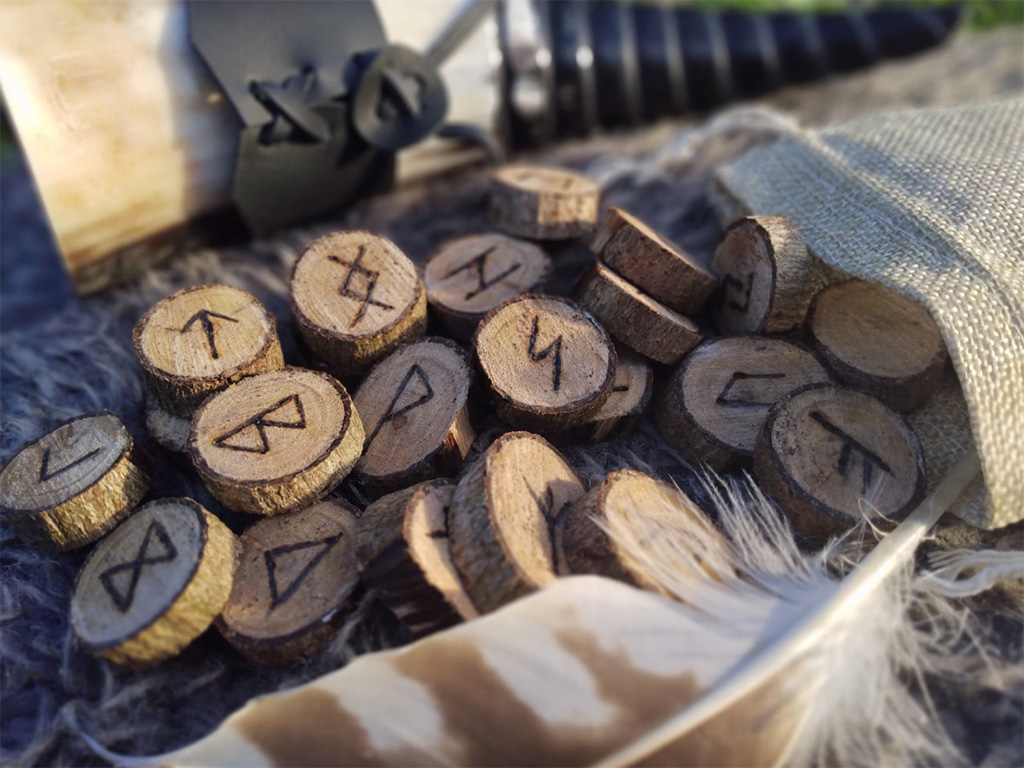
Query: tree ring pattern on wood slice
x=276 y=442
x=718 y=399
x=467 y=277
x=296 y=575
x=155 y=584
x=543 y=203
x=831 y=457
x=73 y=484
x=550 y=364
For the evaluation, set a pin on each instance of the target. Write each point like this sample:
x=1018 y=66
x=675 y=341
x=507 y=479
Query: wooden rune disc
x=502 y=518
x=200 y=340
x=831 y=457
x=543 y=203
x=768 y=276
x=549 y=364
x=73 y=484
x=415 y=574
x=468 y=277
x=717 y=400
x=356 y=297
x=276 y=442
x=155 y=584
x=620 y=503
x=635 y=319
x=878 y=342
x=656 y=266
x=296 y=582
x=413 y=405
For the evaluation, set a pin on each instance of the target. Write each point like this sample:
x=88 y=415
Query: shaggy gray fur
x=61 y=356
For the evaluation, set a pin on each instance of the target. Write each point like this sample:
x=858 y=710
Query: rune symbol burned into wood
x=156 y=537
x=356 y=268
x=203 y=316
x=554 y=347
x=479 y=263
x=851 y=444
x=251 y=435
x=44 y=466
x=726 y=398
x=730 y=284
x=272 y=556
x=392 y=413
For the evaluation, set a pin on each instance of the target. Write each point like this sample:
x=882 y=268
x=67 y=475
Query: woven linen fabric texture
x=931 y=204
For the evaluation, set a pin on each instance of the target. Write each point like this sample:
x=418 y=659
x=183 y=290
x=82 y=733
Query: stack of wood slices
x=363 y=469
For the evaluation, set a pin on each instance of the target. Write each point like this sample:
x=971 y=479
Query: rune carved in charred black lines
x=203 y=316
x=259 y=423
x=123 y=599
x=850 y=444
x=391 y=413
x=480 y=264
x=271 y=557
x=348 y=291
x=554 y=347
x=730 y=283
x=44 y=466
x=725 y=399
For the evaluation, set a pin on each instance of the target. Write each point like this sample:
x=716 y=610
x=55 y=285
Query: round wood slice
x=276 y=442
x=831 y=457
x=549 y=364
x=380 y=525
x=356 y=297
x=413 y=405
x=200 y=340
x=768 y=276
x=878 y=342
x=415 y=575
x=626 y=500
x=635 y=319
x=155 y=584
x=73 y=484
x=468 y=277
x=543 y=203
x=717 y=400
x=656 y=266
x=296 y=582
x=502 y=518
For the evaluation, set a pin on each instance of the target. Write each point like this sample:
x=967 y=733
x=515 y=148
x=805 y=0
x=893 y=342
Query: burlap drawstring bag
x=931 y=204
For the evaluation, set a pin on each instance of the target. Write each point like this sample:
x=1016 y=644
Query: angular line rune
x=203 y=316
x=391 y=414
x=850 y=444
x=366 y=299
x=123 y=600
x=546 y=505
x=723 y=398
x=260 y=422
x=44 y=466
x=732 y=282
x=555 y=346
x=480 y=264
x=271 y=556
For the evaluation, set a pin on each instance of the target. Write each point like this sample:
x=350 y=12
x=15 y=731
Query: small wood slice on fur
x=831 y=457
x=549 y=363
x=878 y=342
x=543 y=203
x=415 y=575
x=197 y=342
x=625 y=497
x=296 y=582
x=356 y=297
x=656 y=266
x=502 y=518
x=768 y=276
x=717 y=400
x=276 y=442
x=413 y=404
x=635 y=319
x=155 y=584
x=73 y=484
x=468 y=277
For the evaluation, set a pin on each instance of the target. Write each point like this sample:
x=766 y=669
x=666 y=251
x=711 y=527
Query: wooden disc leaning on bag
x=502 y=517
x=549 y=363
x=717 y=400
x=296 y=582
x=356 y=297
x=413 y=405
x=831 y=457
x=878 y=342
x=468 y=277
x=73 y=484
x=543 y=203
x=276 y=442
x=155 y=584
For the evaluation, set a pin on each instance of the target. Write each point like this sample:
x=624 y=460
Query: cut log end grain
x=276 y=442
x=656 y=266
x=468 y=277
x=74 y=484
x=155 y=584
x=296 y=582
x=356 y=297
x=543 y=203
x=502 y=518
x=831 y=457
x=718 y=399
x=549 y=363
x=635 y=319
x=878 y=342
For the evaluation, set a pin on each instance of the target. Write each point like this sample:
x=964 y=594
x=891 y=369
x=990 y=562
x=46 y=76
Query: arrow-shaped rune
x=203 y=316
x=44 y=466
